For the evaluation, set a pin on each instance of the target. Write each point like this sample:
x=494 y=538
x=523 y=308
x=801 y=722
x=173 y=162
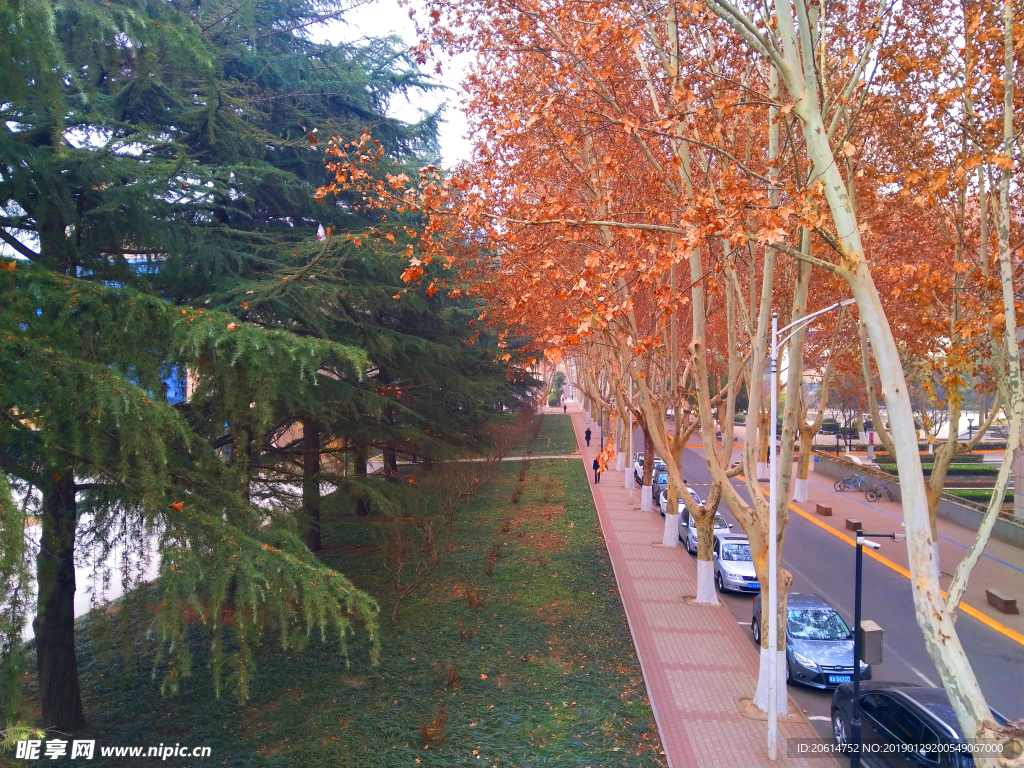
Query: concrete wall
x=1010 y=530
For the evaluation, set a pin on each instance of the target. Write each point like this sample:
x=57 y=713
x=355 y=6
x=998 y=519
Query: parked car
x=819 y=645
x=663 y=500
x=659 y=482
x=688 y=530
x=894 y=715
x=638 y=468
x=681 y=508
x=734 y=569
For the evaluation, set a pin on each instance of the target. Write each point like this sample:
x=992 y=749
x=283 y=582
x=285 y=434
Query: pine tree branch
x=17 y=245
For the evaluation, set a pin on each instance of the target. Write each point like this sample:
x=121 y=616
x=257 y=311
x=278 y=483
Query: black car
x=903 y=724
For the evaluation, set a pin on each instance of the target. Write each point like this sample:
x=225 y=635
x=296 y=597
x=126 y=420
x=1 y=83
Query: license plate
x=753 y=585
x=839 y=678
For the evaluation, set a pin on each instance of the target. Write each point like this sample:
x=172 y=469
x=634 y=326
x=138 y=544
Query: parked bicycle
x=875 y=492
x=854 y=483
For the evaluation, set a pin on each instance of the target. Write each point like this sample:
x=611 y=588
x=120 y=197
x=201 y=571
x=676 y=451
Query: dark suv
x=903 y=724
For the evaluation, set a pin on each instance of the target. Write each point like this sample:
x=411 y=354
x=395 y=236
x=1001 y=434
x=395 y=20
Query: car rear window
x=817 y=624
x=737 y=552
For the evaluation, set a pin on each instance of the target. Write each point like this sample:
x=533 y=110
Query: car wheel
x=690 y=551
x=839 y=730
x=719 y=584
x=755 y=629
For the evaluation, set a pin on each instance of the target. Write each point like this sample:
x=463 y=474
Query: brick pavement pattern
x=697 y=661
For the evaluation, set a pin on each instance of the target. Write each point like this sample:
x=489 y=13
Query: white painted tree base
x=706 y=594
x=781 y=694
x=620 y=463
x=670 y=538
x=646 y=499
x=762 y=470
x=799 y=490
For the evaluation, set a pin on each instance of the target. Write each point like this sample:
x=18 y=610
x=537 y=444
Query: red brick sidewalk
x=697 y=662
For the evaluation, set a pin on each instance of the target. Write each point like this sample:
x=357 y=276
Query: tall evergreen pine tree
x=146 y=130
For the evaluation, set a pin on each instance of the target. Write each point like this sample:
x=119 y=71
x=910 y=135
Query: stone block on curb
x=1002 y=603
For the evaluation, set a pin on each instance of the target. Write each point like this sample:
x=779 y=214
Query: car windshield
x=662 y=479
x=720 y=523
x=737 y=552
x=817 y=624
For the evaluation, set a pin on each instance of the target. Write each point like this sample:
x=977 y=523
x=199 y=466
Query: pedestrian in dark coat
x=597 y=471
x=587 y=435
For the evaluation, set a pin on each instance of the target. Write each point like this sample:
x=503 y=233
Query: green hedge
x=963 y=470
x=978 y=494
x=929 y=458
x=972 y=469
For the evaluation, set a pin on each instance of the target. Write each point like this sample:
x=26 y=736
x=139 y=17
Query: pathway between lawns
x=697 y=662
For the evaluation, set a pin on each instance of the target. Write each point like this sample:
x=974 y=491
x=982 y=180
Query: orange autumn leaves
x=578 y=203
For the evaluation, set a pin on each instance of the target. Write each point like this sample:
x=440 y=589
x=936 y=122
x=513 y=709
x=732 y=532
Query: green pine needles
x=158 y=163
x=84 y=369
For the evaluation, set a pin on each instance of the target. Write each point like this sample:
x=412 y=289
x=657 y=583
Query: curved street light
x=773 y=545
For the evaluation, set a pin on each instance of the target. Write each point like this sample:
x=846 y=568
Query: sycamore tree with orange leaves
x=619 y=198
x=638 y=163
x=826 y=86
x=587 y=192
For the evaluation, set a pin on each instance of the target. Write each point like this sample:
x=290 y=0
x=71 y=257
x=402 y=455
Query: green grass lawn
x=550 y=677
x=556 y=437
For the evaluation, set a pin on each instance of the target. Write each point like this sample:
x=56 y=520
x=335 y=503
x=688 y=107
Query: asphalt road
x=823 y=564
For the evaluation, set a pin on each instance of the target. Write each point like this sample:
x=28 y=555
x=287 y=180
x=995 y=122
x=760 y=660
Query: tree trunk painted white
x=620 y=463
x=800 y=489
x=940 y=636
x=781 y=694
x=762 y=471
x=706 y=583
x=670 y=537
x=646 y=499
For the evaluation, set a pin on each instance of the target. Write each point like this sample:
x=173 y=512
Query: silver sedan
x=819 y=645
x=688 y=530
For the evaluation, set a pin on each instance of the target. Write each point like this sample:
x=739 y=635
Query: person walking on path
x=587 y=435
x=565 y=408
x=597 y=471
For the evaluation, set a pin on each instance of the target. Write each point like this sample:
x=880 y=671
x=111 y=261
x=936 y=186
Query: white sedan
x=638 y=467
x=663 y=500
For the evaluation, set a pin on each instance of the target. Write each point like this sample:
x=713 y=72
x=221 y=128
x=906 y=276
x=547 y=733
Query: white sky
x=381 y=18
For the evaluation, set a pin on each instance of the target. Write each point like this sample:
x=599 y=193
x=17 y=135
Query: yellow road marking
x=1002 y=629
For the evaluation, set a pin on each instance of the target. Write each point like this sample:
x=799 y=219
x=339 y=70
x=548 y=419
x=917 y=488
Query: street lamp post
x=773 y=544
x=629 y=459
x=855 y=727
